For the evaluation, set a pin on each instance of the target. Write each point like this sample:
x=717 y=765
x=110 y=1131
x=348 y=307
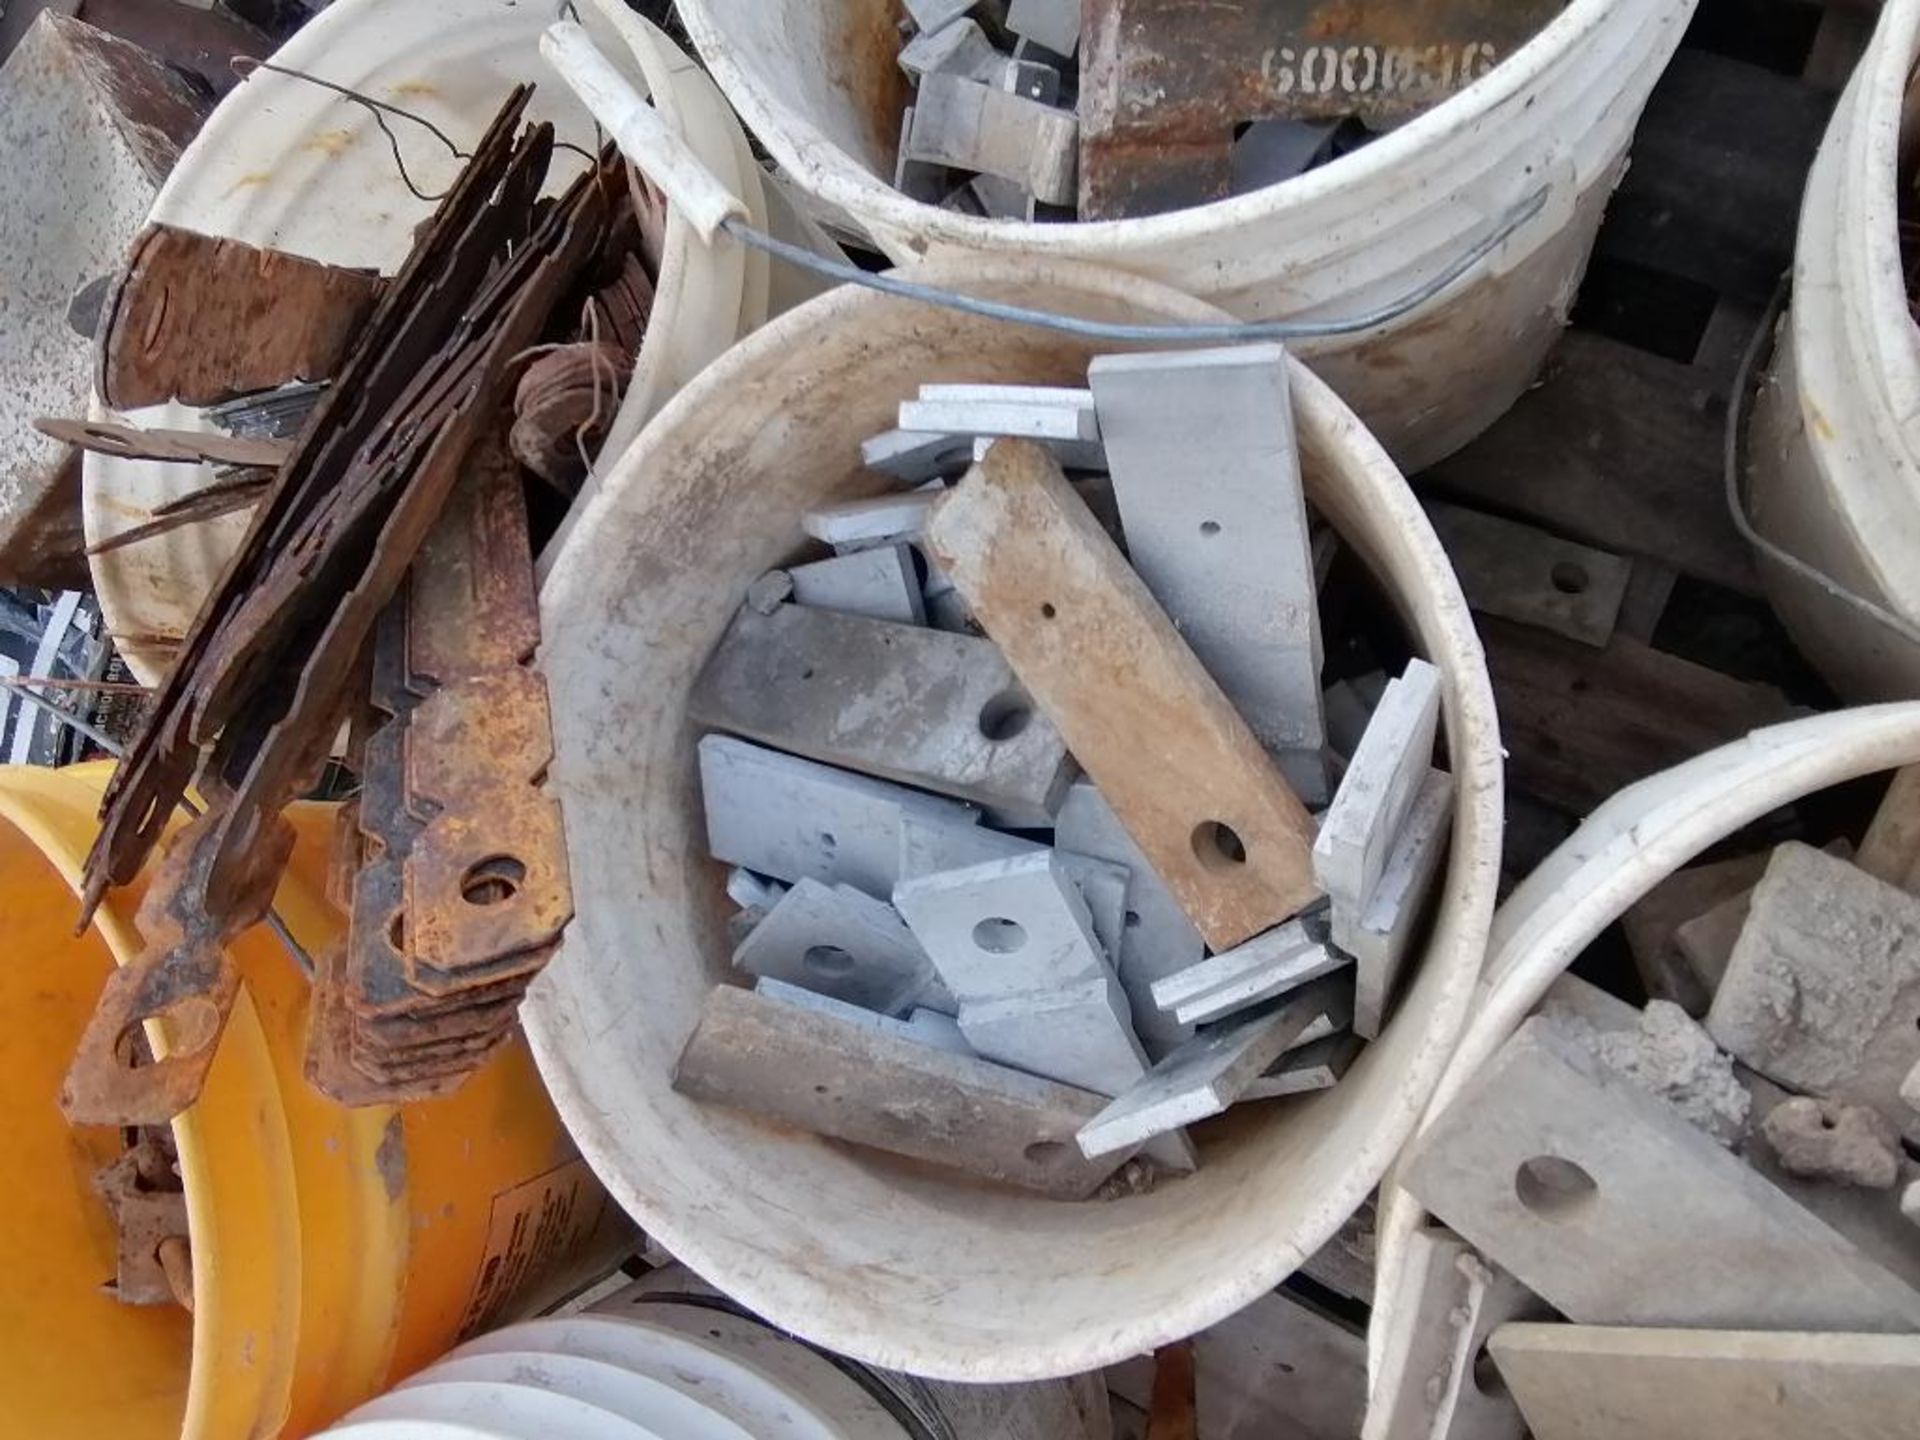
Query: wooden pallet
x=1620 y=444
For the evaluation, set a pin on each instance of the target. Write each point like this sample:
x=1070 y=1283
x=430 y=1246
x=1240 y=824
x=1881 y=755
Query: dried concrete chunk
x=1669 y=1055
x=841 y=1079
x=788 y=818
x=1615 y=1210
x=1210 y=812
x=1822 y=993
x=841 y=942
x=1831 y=1140
x=919 y=707
x=1205 y=471
x=1580 y=1382
x=1653 y=924
x=90 y=125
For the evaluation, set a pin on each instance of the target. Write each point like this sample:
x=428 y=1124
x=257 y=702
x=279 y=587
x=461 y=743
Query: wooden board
x=201 y=319
x=1615 y=447
x=1181 y=769
x=1581 y=1382
x=1580 y=724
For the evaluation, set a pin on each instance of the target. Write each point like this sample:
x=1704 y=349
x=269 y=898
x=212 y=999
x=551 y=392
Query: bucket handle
x=636 y=127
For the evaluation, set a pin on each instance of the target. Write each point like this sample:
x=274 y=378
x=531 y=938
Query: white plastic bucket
x=1625 y=848
x=816 y=81
x=646 y=1365
x=897 y=1266
x=288 y=164
x=1834 y=448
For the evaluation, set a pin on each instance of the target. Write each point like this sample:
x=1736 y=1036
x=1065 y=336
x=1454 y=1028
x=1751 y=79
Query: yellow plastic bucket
x=334 y=1251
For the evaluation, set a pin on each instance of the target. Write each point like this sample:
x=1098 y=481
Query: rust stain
x=866 y=64
x=1822 y=426
x=329 y=142
x=252 y=177
x=415 y=90
x=391 y=1160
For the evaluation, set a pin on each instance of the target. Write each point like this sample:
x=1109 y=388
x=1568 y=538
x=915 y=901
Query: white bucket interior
x=816 y=81
x=901 y=1266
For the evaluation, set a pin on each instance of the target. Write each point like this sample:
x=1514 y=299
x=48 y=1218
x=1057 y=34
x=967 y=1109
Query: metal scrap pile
x=1048 y=110
x=965 y=950
x=385 y=591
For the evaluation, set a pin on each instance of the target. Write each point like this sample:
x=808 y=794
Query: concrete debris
x=1831 y=1140
x=1822 y=993
x=1671 y=1056
x=1605 y=1202
x=91 y=125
